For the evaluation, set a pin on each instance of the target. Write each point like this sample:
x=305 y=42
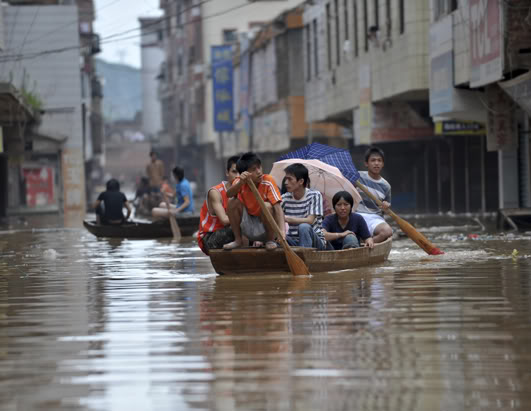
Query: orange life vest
x=209 y=223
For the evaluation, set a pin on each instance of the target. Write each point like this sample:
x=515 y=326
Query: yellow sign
x=459 y=128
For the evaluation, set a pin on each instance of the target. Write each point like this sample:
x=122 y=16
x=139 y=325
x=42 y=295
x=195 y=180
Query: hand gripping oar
x=407 y=228
x=173 y=222
x=296 y=265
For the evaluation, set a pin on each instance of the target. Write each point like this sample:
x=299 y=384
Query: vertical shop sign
x=73 y=186
x=486 y=41
x=501 y=122
x=222 y=80
x=365 y=110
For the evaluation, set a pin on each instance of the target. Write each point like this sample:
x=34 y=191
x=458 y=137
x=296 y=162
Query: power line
x=108 y=39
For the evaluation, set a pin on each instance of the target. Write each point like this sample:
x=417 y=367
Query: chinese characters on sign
x=73 y=186
x=222 y=80
x=501 y=123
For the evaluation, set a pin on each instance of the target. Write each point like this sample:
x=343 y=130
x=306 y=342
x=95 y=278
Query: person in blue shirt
x=343 y=229
x=183 y=196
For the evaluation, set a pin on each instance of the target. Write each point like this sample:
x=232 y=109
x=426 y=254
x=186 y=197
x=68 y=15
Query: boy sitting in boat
x=110 y=203
x=343 y=228
x=244 y=211
x=303 y=209
x=214 y=225
x=368 y=209
x=183 y=196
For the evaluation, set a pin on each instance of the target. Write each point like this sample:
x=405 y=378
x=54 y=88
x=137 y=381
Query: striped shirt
x=310 y=204
x=380 y=188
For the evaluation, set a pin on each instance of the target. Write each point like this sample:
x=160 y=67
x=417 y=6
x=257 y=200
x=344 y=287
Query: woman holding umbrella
x=343 y=228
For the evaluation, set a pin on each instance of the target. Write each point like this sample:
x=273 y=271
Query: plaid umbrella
x=337 y=157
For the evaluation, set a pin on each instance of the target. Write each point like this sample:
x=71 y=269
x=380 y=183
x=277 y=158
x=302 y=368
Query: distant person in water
x=109 y=205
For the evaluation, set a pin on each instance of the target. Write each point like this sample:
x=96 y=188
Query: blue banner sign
x=222 y=88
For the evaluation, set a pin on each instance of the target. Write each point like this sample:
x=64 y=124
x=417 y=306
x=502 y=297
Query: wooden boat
x=187 y=224
x=260 y=261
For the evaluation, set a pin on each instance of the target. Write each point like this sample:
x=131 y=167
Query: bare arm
x=96 y=204
x=216 y=203
x=127 y=205
x=335 y=236
x=235 y=188
x=278 y=214
x=298 y=220
x=185 y=204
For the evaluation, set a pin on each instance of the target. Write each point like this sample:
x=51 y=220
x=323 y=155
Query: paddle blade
x=174 y=227
x=296 y=264
x=417 y=237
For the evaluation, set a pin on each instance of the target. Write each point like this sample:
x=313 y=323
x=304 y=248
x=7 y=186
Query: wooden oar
x=173 y=222
x=296 y=265
x=407 y=228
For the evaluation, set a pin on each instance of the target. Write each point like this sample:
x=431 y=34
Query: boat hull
x=160 y=229
x=260 y=261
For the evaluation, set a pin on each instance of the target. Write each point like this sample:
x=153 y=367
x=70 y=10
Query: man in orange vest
x=214 y=226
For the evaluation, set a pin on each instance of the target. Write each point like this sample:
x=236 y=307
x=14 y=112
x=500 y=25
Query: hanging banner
x=364 y=117
x=441 y=67
x=222 y=87
x=486 y=41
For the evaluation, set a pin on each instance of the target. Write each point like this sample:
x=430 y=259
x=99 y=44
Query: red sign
x=486 y=42
x=39 y=186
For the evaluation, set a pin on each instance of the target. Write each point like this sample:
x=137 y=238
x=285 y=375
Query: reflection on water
x=148 y=325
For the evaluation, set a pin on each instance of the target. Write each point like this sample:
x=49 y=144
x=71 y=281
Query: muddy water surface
x=147 y=325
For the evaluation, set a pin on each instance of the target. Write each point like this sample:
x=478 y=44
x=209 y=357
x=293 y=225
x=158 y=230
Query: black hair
x=374 y=150
x=178 y=172
x=113 y=185
x=283 y=188
x=232 y=160
x=299 y=171
x=246 y=161
x=345 y=195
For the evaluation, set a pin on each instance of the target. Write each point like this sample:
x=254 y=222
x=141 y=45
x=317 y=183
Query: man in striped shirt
x=303 y=209
x=380 y=188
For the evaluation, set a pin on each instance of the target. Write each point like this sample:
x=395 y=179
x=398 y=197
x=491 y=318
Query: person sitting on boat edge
x=343 y=228
x=214 y=225
x=244 y=211
x=110 y=203
x=367 y=208
x=183 y=195
x=303 y=209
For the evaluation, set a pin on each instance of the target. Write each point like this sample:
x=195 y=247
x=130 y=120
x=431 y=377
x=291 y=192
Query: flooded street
x=107 y=324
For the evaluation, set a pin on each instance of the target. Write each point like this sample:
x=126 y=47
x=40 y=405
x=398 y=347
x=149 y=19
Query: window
x=230 y=36
x=345 y=5
x=315 y=47
x=179 y=15
x=401 y=16
x=328 y=35
x=191 y=55
x=308 y=52
x=366 y=24
x=338 y=36
x=179 y=64
x=355 y=28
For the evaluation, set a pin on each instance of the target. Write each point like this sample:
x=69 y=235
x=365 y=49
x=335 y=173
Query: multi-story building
x=44 y=44
x=192 y=28
x=480 y=72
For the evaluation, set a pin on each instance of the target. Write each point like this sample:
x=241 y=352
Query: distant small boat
x=260 y=261
x=159 y=229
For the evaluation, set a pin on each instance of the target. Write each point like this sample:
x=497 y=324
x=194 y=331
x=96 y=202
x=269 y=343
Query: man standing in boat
x=377 y=185
x=303 y=208
x=214 y=225
x=244 y=211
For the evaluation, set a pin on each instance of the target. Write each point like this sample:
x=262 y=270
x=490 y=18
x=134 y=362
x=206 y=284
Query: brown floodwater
x=107 y=324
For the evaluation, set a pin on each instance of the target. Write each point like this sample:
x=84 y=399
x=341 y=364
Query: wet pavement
x=101 y=324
